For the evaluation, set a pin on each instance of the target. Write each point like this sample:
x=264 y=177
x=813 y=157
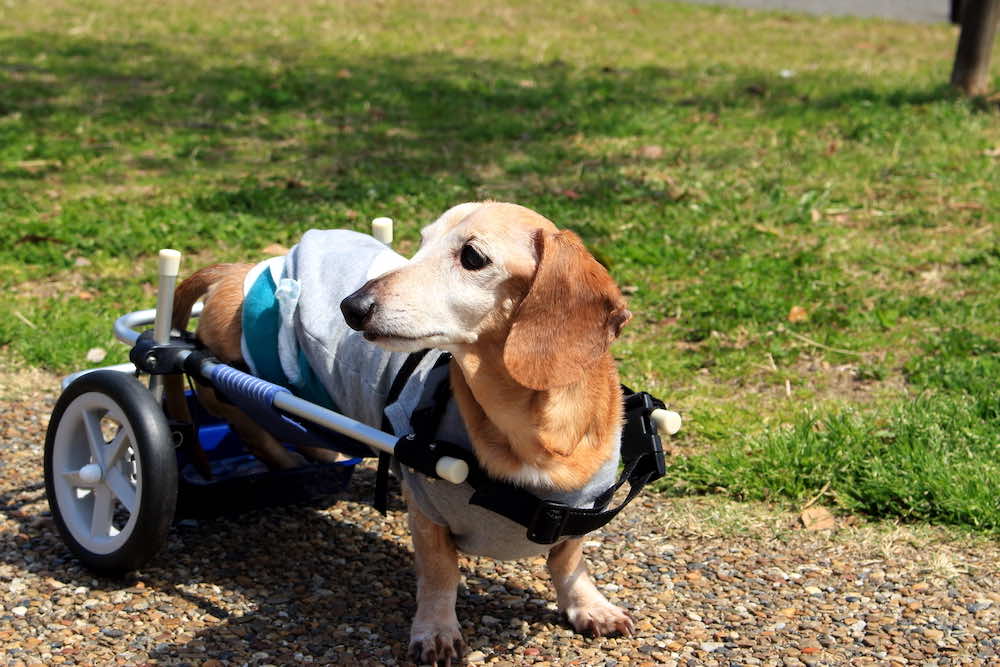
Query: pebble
x=332 y=584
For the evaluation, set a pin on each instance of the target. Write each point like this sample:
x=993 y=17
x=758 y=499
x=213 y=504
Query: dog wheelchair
x=119 y=472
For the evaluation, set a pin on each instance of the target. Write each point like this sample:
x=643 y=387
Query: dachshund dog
x=528 y=316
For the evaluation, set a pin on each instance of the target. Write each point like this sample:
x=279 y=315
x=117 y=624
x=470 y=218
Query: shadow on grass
x=172 y=150
x=356 y=122
x=306 y=576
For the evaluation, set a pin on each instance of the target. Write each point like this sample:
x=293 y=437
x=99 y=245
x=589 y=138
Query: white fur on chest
x=532 y=477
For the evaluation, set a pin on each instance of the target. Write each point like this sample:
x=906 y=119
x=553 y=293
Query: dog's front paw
x=600 y=618
x=436 y=643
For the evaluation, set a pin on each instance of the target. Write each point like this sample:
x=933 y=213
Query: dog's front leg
x=588 y=611
x=435 y=636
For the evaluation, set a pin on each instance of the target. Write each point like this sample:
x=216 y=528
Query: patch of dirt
x=67 y=283
x=26 y=384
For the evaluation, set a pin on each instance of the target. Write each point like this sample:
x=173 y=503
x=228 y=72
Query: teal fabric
x=261 y=322
x=310 y=388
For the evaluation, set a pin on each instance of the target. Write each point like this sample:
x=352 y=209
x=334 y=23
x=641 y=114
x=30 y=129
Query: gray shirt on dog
x=317 y=274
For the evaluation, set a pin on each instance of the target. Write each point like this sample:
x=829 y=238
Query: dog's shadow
x=287 y=584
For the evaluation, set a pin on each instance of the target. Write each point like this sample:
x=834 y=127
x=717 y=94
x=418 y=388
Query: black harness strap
x=381 y=500
x=546 y=521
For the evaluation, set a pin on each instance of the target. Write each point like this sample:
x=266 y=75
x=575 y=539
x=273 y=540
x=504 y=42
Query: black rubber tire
x=157 y=461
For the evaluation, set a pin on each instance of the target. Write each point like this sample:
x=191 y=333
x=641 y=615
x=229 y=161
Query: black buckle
x=162 y=358
x=639 y=434
x=547 y=524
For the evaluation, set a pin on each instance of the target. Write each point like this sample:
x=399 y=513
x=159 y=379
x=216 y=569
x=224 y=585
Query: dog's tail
x=193 y=288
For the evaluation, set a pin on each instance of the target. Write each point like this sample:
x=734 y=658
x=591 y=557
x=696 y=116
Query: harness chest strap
x=381 y=499
x=546 y=521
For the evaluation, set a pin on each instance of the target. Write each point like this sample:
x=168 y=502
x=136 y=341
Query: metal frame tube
x=125 y=327
x=315 y=414
x=169 y=265
x=452 y=469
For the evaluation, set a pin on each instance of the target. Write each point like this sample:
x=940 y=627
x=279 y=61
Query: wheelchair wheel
x=110 y=471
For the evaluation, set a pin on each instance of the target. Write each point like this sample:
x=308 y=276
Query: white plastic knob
x=666 y=421
x=170 y=262
x=90 y=473
x=452 y=469
x=382 y=230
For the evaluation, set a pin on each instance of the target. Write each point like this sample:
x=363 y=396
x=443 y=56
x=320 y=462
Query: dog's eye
x=472 y=259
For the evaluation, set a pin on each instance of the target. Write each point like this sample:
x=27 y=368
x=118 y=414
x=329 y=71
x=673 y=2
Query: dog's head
x=497 y=275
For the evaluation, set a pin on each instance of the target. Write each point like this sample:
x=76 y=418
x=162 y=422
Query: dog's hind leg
x=435 y=636
x=261 y=444
x=588 y=611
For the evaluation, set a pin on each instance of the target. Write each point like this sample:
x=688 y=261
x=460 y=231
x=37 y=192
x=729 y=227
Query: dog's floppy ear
x=568 y=318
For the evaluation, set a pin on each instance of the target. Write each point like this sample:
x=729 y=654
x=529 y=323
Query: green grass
x=931 y=458
x=729 y=166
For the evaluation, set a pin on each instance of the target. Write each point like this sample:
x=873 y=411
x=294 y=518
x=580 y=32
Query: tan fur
x=434 y=634
x=219 y=326
x=586 y=608
x=553 y=420
x=568 y=318
x=563 y=431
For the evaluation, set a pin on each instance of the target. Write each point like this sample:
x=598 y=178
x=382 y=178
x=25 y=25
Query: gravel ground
x=710 y=582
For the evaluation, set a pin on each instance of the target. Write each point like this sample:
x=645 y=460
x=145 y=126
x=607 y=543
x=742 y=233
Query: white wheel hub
x=97 y=473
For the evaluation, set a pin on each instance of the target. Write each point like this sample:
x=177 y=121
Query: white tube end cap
x=382 y=230
x=666 y=421
x=90 y=473
x=170 y=262
x=452 y=469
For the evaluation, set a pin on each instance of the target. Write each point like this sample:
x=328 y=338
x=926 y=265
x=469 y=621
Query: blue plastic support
x=234 y=383
x=256 y=397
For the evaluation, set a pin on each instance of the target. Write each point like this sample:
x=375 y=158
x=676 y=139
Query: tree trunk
x=971 y=73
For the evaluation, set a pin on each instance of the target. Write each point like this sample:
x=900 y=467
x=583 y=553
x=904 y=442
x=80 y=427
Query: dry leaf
x=651 y=152
x=343 y=74
x=571 y=194
x=817 y=518
x=35 y=166
x=85 y=295
x=966 y=206
x=797 y=314
x=275 y=249
x=96 y=354
x=815 y=215
x=992 y=152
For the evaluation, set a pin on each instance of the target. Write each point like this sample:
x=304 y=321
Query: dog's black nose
x=358 y=308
